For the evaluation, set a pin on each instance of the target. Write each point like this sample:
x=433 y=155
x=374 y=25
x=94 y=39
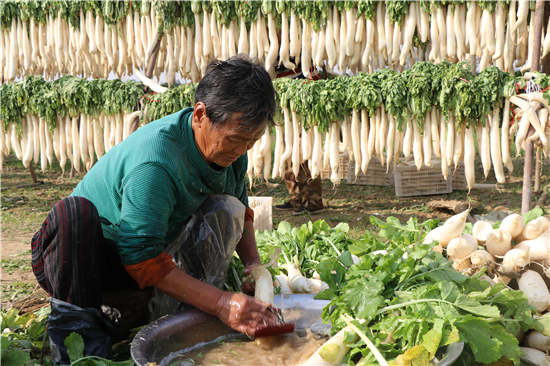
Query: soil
x=25 y=208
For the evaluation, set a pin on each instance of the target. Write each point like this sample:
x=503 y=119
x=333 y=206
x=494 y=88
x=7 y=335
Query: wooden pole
x=528 y=162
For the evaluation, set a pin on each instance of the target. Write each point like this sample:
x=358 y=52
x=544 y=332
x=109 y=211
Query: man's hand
x=244 y=313
x=248 y=287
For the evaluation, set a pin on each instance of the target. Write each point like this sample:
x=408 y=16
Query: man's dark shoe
x=304 y=210
x=285 y=207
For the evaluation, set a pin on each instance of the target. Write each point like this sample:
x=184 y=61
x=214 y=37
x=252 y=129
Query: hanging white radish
x=306 y=144
x=365 y=157
x=289 y=139
x=278 y=153
x=356 y=140
x=317 y=154
x=335 y=153
x=295 y=144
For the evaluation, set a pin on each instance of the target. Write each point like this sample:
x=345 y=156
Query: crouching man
x=173 y=192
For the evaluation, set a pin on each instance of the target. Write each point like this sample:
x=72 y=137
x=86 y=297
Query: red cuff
x=152 y=270
x=249 y=214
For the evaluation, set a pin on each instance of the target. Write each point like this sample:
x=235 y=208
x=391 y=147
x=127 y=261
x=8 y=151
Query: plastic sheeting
x=94 y=326
x=204 y=248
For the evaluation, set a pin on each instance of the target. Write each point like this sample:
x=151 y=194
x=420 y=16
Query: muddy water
x=289 y=349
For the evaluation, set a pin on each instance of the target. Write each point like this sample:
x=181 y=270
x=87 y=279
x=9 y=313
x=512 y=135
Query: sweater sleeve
x=148 y=199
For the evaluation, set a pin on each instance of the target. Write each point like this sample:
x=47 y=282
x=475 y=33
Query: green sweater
x=148 y=186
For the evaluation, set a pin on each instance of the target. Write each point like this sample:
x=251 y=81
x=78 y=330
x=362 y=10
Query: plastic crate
x=263 y=212
x=459 y=177
x=376 y=174
x=409 y=181
x=344 y=159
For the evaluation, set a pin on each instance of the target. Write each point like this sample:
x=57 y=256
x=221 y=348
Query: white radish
x=297 y=282
x=263 y=284
x=443 y=146
x=295 y=144
x=462 y=246
x=42 y=140
x=538 y=248
x=498 y=242
x=505 y=147
x=285 y=41
x=532 y=284
x=365 y=156
x=453 y=228
x=513 y=224
x=435 y=132
x=531 y=230
x=485 y=149
x=480 y=231
x=469 y=158
x=273 y=44
x=332 y=352
x=356 y=140
x=515 y=260
x=317 y=155
x=289 y=139
x=417 y=145
x=390 y=141
x=537 y=340
x=27 y=157
x=279 y=132
x=282 y=282
x=427 y=140
x=480 y=258
x=334 y=152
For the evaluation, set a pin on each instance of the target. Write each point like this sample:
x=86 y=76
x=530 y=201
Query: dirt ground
x=23 y=209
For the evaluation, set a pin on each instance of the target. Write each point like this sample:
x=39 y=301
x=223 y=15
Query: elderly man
x=175 y=187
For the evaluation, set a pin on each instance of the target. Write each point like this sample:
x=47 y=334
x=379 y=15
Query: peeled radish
x=498 y=242
x=480 y=231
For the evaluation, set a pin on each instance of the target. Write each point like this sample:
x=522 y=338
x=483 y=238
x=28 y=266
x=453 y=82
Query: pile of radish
x=93 y=38
x=517 y=253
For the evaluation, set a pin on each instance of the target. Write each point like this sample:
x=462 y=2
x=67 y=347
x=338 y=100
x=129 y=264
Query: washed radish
x=514 y=261
x=281 y=281
x=480 y=258
x=513 y=224
x=480 y=231
x=537 y=340
x=462 y=246
x=498 y=242
x=453 y=228
x=532 y=284
x=332 y=352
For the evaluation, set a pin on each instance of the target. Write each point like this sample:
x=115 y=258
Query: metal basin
x=175 y=332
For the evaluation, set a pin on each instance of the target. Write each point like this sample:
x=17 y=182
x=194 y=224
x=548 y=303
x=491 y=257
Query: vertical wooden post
x=538 y=169
x=528 y=162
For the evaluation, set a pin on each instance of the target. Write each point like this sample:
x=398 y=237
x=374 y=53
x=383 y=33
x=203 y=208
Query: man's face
x=224 y=143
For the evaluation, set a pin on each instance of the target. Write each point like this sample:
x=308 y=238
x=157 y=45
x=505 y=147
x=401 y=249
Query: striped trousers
x=72 y=260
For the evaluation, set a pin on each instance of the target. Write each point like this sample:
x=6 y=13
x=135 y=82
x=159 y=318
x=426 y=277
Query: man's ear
x=199 y=114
